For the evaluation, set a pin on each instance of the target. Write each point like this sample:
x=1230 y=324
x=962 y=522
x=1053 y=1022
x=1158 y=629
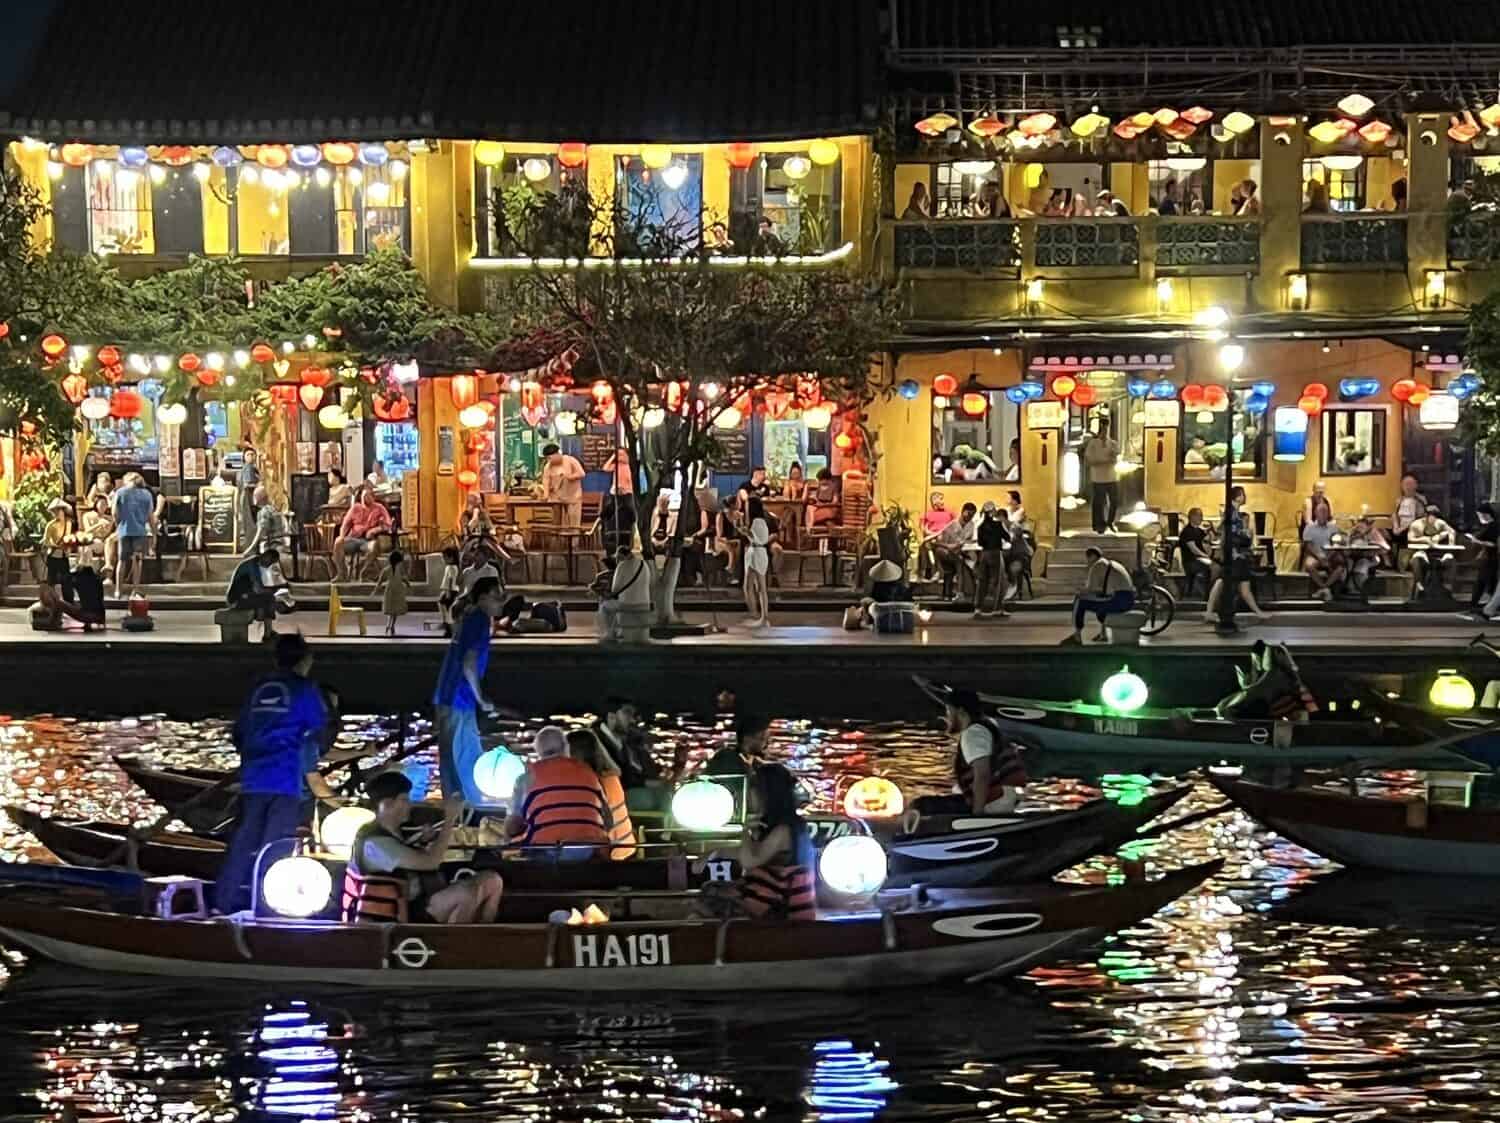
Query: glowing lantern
x=1257 y=404
x=77 y=155
x=604 y=402
x=854 y=866
x=311 y=396
x=338 y=153
x=1088 y=124
x=175 y=155
x=936 y=125
x=1317 y=390
x=1310 y=405
x=297 y=887
x=315 y=376
x=1064 y=385
x=1124 y=692
x=1439 y=413
x=1138 y=387
x=467 y=478
x=1451 y=691
x=53 y=346
x=796 y=167
x=739 y=154
x=536 y=168
x=1085 y=395
x=272 y=155
x=489 y=152
x=226 y=156
x=656 y=156
x=1402 y=388
x=1463 y=131
x=1326 y=132
x=974 y=403
x=987 y=125
x=95 y=409
x=1352 y=389
x=262 y=353
x=1419 y=394
x=1238 y=122
x=1375 y=132
x=333 y=417
x=473 y=417
x=728 y=418
x=817 y=417
x=1127 y=130
x=190 y=362
x=465 y=390
x=306 y=155
x=843 y=442
x=126 y=404
x=1033 y=390
x=75 y=388
x=1290 y=429
x=374 y=155
x=823 y=152
x=4 y=329
x=702 y=805
x=909 y=390
x=496 y=773
x=173 y=414
x=873 y=797
x=133 y=157
x=284 y=393
x=1197 y=115
x=653 y=418
x=1215 y=397
x=945 y=384
x=337 y=830
x=1037 y=124
x=1016 y=395
x=109 y=355
x=572 y=154
x=392 y=407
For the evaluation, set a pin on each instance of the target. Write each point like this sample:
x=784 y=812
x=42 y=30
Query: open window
x=973 y=445
x=1354 y=440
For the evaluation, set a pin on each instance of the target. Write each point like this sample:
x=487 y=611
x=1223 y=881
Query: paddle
x=1185 y=821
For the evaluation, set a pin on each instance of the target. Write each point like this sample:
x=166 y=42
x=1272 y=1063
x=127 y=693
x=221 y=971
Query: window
x=669 y=199
x=1078 y=37
x=527 y=202
x=1354 y=441
x=1345 y=187
x=798 y=213
x=970 y=189
x=1178 y=188
x=973 y=449
x=1201 y=446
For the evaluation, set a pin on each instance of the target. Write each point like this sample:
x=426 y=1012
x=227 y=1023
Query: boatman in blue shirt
x=280 y=735
x=460 y=691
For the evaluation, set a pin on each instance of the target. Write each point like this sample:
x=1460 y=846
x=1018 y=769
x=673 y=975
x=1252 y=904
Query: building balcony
x=973 y=246
x=1207 y=244
x=1474 y=239
x=1342 y=241
x=1112 y=243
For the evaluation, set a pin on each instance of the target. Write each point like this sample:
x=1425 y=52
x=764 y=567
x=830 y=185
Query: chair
x=178 y=515
x=317 y=546
x=849 y=534
x=337 y=609
x=543 y=538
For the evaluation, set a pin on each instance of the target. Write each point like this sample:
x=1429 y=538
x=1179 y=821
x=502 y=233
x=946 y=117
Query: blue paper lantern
x=1034 y=390
x=1138 y=387
x=1164 y=390
x=909 y=389
x=133 y=157
x=226 y=156
x=307 y=155
x=1266 y=390
x=374 y=155
x=1015 y=394
x=1464 y=386
x=1290 y=428
x=1257 y=404
x=1353 y=389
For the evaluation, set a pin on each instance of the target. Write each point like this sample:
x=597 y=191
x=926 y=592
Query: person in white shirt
x=1430 y=531
x=1107 y=591
x=1409 y=508
x=957 y=542
x=988 y=774
x=1323 y=564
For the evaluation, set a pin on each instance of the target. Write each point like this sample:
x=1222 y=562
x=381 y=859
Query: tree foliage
x=1480 y=422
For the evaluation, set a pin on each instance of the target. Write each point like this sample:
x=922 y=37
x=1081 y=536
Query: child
x=757 y=568
x=448 y=589
x=395 y=583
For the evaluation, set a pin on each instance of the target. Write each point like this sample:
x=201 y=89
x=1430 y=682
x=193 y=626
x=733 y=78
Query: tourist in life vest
x=988 y=776
x=584 y=746
x=280 y=734
x=387 y=881
x=778 y=880
x=559 y=800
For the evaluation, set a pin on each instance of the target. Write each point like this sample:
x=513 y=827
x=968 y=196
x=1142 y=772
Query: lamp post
x=1231 y=356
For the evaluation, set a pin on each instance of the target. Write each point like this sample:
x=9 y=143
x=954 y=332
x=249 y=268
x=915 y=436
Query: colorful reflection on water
x=1283 y=991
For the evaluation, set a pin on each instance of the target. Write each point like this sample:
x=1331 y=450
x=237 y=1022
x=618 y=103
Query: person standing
x=994 y=540
x=757 y=571
x=562 y=482
x=460 y=691
x=1100 y=454
x=1484 y=538
x=394 y=584
x=57 y=537
x=135 y=517
x=988 y=776
x=1239 y=554
x=279 y=734
x=8 y=544
x=247 y=480
x=270 y=525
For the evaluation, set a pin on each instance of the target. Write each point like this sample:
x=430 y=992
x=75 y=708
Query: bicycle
x=1152 y=598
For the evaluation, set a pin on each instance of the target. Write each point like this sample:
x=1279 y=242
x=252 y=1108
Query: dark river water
x=1284 y=990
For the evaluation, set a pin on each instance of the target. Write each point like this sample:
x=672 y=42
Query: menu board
x=216 y=517
x=733 y=457
x=598 y=447
x=309 y=496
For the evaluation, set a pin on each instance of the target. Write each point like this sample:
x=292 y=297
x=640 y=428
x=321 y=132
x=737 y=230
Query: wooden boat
x=1172 y=741
x=954 y=852
x=1374 y=833
x=913 y=938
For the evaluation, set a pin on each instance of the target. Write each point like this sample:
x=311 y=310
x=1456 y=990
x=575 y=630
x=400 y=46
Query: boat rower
x=389 y=881
x=988 y=776
x=1272 y=687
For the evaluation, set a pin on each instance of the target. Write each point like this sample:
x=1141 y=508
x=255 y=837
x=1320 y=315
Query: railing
x=1063 y=242
x=1359 y=241
x=976 y=245
x=1474 y=238
x=1206 y=242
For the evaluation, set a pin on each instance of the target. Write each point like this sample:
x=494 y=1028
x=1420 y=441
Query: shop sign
x=1044 y=415
x=1162 y=414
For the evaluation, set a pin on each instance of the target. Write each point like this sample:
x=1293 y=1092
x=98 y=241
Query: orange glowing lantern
x=77 y=155
x=392 y=407
x=338 y=153
x=604 y=402
x=207 y=377
x=112 y=374
x=739 y=154
x=109 y=355
x=1215 y=397
x=54 y=345
x=873 y=797
x=75 y=387
x=311 y=396
x=1085 y=395
x=974 y=403
x=987 y=125
x=843 y=442
x=190 y=362
x=674 y=397
x=572 y=153
x=532 y=395
x=1193 y=395
x=1310 y=405
x=467 y=478
x=262 y=353
x=126 y=404
x=945 y=385
x=316 y=377
x=1064 y=385
x=284 y=393
x=465 y=390
x=1402 y=388
x=4 y=329
x=1315 y=390
x=272 y=155
x=175 y=155
x=1419 y=394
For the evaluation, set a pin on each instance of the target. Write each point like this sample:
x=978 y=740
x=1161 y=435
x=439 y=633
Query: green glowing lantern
x=1123 y=692
x=1451 y=691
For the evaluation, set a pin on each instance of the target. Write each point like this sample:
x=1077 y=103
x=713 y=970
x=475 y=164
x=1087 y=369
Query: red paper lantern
x=467 y=478
x=190 y=362
x=572 y=153
x=262 y=353
x=54 y=345
x=739 y=154
x=1402 y=388
x=4 y=329
x=1315 y=390
x=1193 y=395
x=1085 y=395
x=75 y=388
x=1310 y=405
x=1419 y=395
x=126 y=404
x=316 y=377
x=175 y=155
x=112 y=374
x=207 y=377
x=310 y=395
x=945 y=385
x=1215 y=397
x=1064 y=385
x=109 y=355
x=392 y=408
x=604 y=402
x=284 y=393
x=465 y=390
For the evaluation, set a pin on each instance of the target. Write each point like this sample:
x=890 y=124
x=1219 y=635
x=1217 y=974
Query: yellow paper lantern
x=489 y=152
x=823 y=152
x=656 y=155
x=873 y=797
x=474 y=417
x=1451 y=691
x=796 y=167
x=1238 y=122
x=817 y=417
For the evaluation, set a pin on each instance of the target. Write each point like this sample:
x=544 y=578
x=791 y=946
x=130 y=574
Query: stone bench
x=234 y=624
x=1125 y=628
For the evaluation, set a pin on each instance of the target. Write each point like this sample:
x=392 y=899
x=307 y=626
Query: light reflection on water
x=1280 y=992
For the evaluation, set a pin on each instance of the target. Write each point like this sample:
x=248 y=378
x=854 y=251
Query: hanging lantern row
x=336 y=153
x=1032 y=129
x=659 y=157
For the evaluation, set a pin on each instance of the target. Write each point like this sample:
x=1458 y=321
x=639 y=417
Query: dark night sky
x=24 y=22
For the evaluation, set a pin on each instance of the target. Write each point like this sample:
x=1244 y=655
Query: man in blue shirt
x=280 y=735
x=135 y=518
x=460 y=691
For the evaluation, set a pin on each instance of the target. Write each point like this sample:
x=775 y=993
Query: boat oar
x=1185 y=821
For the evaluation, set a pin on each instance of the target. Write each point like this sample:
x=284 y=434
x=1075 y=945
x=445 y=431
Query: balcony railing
x=1109 y=242
x=1474 y=238
x=975 y=245
x=1354 y=241
x=1207 y=243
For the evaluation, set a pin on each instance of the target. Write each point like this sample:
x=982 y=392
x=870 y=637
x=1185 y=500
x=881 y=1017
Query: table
x=1355 y=550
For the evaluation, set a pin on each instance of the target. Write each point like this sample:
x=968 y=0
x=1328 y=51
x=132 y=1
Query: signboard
x=598 y=447
x=307 y=457
x=445 y=449
x=733 y=456
x=216 y=517
x=1044 y=415
x=1162 y=413
x=168 y=446
x=309 y=497
x=330 y=456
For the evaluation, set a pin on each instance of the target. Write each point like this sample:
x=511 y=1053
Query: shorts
x=356 y=545
x=132 y=548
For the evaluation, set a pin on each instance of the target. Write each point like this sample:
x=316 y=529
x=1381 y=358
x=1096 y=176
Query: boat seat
x=166 y=892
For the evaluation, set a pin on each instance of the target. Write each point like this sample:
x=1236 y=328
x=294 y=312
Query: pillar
x=1281 y=212
x=1426 y=198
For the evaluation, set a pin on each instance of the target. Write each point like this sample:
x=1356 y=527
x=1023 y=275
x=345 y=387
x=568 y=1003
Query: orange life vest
x=621 y=829
x=564 y=804
x=786 y=889
x=372 y=898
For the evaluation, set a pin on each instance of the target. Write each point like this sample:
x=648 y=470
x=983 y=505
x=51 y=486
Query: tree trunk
x=666 y=569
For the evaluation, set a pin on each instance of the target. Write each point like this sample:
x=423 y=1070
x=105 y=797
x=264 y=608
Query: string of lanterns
x=393 y=157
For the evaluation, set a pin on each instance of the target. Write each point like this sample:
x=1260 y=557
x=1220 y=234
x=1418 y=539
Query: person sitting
x=559 y=801
x=887 y=586
x=340 y=494
x=1317 y=501
x=648 y=787
x=1323 y=564
x=758 y=486
x=1107 y=591
x=358 y=534
x=1194 y=456
x=103 y=487
x=1271 y=688
x=952 y=546
x=1432 y=532
x=988 y=776
x=934 y=521
x=733 y=765
x=794 y=486
x=1365 y=562
x=389 y=881
x=585 y=747
x=777 y=860
x=98 y=535
x=1197 y=554
x=253 y=588
x=825 y=506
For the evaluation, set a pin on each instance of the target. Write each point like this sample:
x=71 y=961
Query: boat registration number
x=1119 y=727
x=639 y=949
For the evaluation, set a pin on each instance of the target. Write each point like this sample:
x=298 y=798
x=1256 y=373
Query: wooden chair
x=317 y=546
x=847 y=536
x=543 y=540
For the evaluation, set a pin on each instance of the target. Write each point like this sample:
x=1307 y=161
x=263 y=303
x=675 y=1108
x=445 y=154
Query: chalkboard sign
x=598 y=447
x=733 y=457
x=216 y=517
x=309 y=497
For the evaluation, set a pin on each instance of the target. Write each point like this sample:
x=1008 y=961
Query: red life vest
x=376 y=898
x=786 y=889
x=1006 y=769
x=565 y=803
x=621 y=829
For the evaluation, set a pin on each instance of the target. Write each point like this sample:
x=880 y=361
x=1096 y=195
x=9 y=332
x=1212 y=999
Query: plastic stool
x=169 y=889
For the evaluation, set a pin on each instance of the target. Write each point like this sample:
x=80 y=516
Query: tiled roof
x=590 y=70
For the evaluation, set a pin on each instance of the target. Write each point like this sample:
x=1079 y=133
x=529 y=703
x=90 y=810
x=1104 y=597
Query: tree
x=1480 y=423
x=669 y=324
